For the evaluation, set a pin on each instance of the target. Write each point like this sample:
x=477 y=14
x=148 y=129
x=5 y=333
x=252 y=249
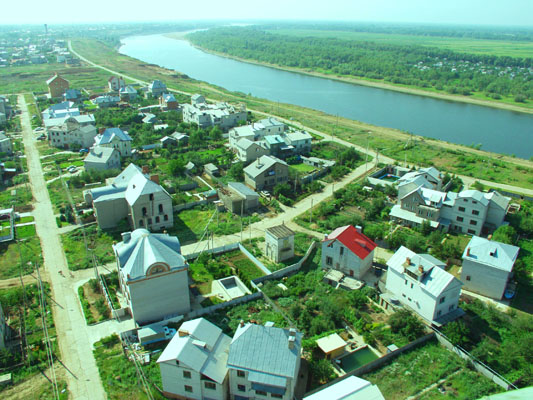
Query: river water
x=500 y=131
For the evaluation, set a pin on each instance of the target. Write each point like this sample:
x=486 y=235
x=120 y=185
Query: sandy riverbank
x=363 y=82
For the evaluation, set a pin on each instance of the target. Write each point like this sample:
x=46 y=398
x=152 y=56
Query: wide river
x=500 y=131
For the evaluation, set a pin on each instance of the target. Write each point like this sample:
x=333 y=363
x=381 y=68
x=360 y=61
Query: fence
x=216 y=250
x=478 y=365
x=192 y=204
x=213 y=308
x=252 y=258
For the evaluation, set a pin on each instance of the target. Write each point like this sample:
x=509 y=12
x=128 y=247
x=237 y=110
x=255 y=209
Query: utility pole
x=241 y=218
x=311 y=212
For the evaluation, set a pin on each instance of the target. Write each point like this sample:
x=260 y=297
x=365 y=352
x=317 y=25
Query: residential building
x=430 y=178
x=71 y=134
x=332 y=346
x=193 y=365
x=276 y=146
x=72 y=95
x=488 y=266
x=211 y=170
x=102 y=158
x=6 y=146
x=3 y=119
x=167 y=101
x=5 y=107
x=116 y=83
x=152 y=275
x=469 y=211
x=279 y=243
x=3 y=329
x=82 y=120
x=106 y=101
x=248 y=151
x=266 y=172
x=238 y=198
x=197 y=99
x=420 y=282
x=264 y=361
x=270 y=126
x=157 y=88
x=350 y=388
x=61 y=110
x=133 y=195
x=223 y=115
x=57 y=86
x=349 y=251
x=300 y=142
x=115 y=138
x=128 y=93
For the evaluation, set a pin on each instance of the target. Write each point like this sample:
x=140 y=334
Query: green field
x=466 y=45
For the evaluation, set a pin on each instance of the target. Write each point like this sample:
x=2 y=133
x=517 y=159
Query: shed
x=279 y=243
x=211 y=170
x=332 y=346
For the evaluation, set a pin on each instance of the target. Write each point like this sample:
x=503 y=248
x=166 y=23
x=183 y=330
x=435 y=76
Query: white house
x=116 y=83
x=71 y=133
x=115 y=138
x=420 y=282
x=5 y=144
x=152 y=275
x=128 y=93
x=488 y=266
x=223 y=115
x=264 y=362
x=106 y=101
x=300 y=141
x=266 y=172
x=102 y=158
x=157 y=88
x=350 y=388
x=348 y=250
x=279 y=243
x=248 y=151
x=194 y=363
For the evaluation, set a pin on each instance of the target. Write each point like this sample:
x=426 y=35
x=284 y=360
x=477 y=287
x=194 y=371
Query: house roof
x=356 y=242
x=280 y=231
x=143 y=249
x=261 y=165
x=196 y=97
x=245 y=143
x=157 y=84
x=299 y=135
x=493 y=254
x=139 y=186
x=169 y=97
x=110 y=133
x=330 y=343
x=273 y=139
x=201 y=346
x=265 y=350
x=125 y=176
x=350 y=388
x=474 y=194
x=128 y=90
x=435 y=279
x=72 y=94
x=53 y=78
x=100 y=154
x=242 y=189
x=271 y=121
x=498 y=199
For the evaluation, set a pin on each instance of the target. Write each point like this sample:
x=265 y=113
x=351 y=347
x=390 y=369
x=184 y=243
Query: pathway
x=433 y=386
x=75 y=346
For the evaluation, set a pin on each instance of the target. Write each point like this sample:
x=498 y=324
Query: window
x=409 y=298
x=403 y=294
x=472 y=232
x=165 y=218
x=473 y=222
x=411 y=285
x=149 y=221
x=329 y=260
x=276 y=396
x=460 y=219
x=468 y=277
x=442 y=299
x=406 y=281
x=475 y=212
x=151 y=196
x=144 y=211
x=187 y=374
x=157 y=220
x=241 y=388
x=462 y=209
x=141 y=222
x=261 y=392
x=474 y=202
x=439 y=313
x=341 y=250
x=240 y=374
x=160 y=208
x=188 y=388
x=210 y=385
x=451 y=307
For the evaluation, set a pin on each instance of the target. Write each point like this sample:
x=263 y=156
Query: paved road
x=75 y=346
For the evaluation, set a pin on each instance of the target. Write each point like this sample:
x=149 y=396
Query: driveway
x=76 y=349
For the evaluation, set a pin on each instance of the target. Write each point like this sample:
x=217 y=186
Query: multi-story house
x=248 y=151
x=102 y=158
x=264 y=362
x=194 y=363
x=116 y=83
x=128 y=93
x=350 y=388
x=5 y=107
x=5 y=144
x=167 y=101
x=133 y=195
x=115 y=138
x=223 y=115
x=420 y=282
x=469 y=211
x=300 y=142
x=152 y=275
x=266 y=172
x=488 y=266
x=72 y=95
x=106 y=101
x=57 y=86
x=157 y=88
x=349 y=251
x=279 y=243
x=71 y=134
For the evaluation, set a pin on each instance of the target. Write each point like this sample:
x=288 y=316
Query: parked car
x=39 y=129
x=72 y=169
x=42 y=137
x=84 y=151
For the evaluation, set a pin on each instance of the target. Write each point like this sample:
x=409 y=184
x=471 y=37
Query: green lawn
x=302 y=168
x=11 y=260
x=58 y=195
x=26 y=231
x=97 y=240
x=21 y=197
x=463 y=45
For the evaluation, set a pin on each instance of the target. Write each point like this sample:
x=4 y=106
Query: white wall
x=485 y=280
x=346 y=262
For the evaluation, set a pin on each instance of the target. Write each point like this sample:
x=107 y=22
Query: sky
x=470 y=12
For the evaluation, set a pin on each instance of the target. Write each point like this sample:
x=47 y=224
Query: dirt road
x=76 y=350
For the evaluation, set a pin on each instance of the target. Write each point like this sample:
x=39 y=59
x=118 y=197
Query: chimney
x=101 y=130
x=326 y=236
x=468 y=251
x=146 y=169
x=126 y=236
x=408 y=261
x=421 y=269
x=241 y=324
x=359 y=229
x=292 y=332
x=183 y=333
x=292 y=340
x=155 y=178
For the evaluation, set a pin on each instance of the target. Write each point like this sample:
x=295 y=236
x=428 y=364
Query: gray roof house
x=193 y=365
x=350 y=388
x=115 y=138
x=106 y=101
x=73 y=95
x=134 y=195
x=152 y=275
x=102 y=158
x=264 y=359
x=239 y=198
x=488 y=266
x=266 y=172
x=5 y=144
x=157 y=88
x=128 y=93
